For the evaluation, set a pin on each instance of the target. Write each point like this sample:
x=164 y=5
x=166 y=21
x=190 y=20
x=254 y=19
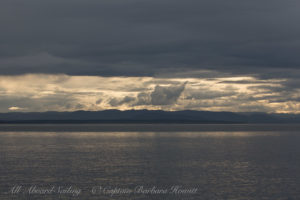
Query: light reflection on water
x=222 y=165
x=143 y=134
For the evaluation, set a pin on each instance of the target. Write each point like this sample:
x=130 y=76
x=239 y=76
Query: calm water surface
x=237 y=165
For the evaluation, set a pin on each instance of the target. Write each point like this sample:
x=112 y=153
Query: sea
x=150 y=161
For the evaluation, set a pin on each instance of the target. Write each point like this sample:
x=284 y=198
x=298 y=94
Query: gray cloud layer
x=149 y=38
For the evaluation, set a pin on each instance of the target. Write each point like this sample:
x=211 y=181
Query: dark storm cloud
x=166 y=95
x=118 y=102
x=161 y=95
x=149 y=38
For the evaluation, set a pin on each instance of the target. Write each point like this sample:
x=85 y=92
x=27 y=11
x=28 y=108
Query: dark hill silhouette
x=146 y=116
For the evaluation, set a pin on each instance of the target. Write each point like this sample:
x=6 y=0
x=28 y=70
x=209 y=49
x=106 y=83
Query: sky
x=67 y=55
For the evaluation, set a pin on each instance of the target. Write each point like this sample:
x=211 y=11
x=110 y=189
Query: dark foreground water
x=261 y=163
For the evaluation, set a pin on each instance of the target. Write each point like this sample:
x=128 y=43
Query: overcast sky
x=231 y=55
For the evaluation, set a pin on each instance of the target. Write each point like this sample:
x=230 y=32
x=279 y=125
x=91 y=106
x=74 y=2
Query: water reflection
x=222 y=165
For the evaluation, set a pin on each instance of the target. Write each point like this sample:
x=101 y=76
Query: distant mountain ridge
x=146 y=116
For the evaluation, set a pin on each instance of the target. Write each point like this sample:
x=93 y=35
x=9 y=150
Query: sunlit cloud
x=16 y=108
x=59 y=92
